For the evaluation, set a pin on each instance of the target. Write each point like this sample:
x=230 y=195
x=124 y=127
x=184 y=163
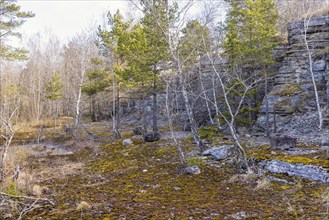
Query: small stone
x=127 y=142
x=192 y=170
x=176 y=188
x=144 y=171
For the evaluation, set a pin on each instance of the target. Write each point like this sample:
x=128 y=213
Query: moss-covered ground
x=146 y=181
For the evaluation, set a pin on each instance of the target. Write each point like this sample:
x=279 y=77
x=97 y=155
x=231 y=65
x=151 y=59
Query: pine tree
x=251 y=32
x=11 y=18
x=54 y=92
x=251 y=38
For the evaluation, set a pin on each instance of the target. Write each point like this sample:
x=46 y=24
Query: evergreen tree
x=54 y=92
x=11 y=18
x=155 y=25
x=251 y=38
x=251 y=32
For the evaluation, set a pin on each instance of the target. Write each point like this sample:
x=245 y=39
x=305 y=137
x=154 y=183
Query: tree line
x=165 y=52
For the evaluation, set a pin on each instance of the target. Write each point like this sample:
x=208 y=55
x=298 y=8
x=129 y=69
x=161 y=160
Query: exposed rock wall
x=292 y=103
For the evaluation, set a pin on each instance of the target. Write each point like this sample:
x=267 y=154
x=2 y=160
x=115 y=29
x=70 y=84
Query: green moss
x=191 y=161
x=208 y=132
x=146 y=181
x=287 y=90
x=12 y=189
x=306 y=160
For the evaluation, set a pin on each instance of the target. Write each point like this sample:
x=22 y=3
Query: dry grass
x=83 y=206
x=325 y=200
x=263 y=184
x=246 y=178
x=60 y=169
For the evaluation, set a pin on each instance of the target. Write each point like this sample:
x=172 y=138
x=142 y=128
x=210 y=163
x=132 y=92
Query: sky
x=65 y=18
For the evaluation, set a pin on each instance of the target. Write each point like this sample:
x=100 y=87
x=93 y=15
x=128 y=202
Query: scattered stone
x=220 y=153
x=127 y=142
x=138 y=131
x=176 y=188
x=282 y=141
x=192 y=170
x=151 y=137
x=300 y=170
x=239 y=215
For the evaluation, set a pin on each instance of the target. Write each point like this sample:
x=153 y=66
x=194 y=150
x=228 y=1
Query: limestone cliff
x=292 y=103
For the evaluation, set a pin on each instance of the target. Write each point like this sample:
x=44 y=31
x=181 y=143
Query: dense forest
x=176 y=113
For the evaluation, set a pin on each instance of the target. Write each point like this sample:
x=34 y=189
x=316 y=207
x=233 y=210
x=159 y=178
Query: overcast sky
x=65 y=18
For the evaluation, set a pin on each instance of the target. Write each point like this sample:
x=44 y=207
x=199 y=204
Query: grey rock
x=152 y=137
x=127 y=142
x=299 y=170
x=319 y=65
x=192 y=170
x=282 y=141
x=220 y=153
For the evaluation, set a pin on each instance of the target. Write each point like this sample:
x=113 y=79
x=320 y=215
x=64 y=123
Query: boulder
x=300 y=170
x=151 y=137
x=186 y=127
x=127 y=142
x=282 y=141
x=220 y=153
x=192 y=170
x=138 y=131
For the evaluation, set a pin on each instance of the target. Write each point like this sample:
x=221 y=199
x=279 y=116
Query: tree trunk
x=78 y=101
x=266 y=107
x=178 y=147
x=155 y=105
x=237 y=143
x=190 y=115
x=310 y=62
x=144 y=103
x=116 y=132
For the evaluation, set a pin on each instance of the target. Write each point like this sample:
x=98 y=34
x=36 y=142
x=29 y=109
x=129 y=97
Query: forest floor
x=78 y=178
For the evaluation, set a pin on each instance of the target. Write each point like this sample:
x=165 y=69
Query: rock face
x=282 y=141
x=292 y=105
x=299 y=170
x=220 y=153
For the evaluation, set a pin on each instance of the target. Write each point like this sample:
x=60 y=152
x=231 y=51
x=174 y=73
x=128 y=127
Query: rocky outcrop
x=291 y=102
x=299 y=170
